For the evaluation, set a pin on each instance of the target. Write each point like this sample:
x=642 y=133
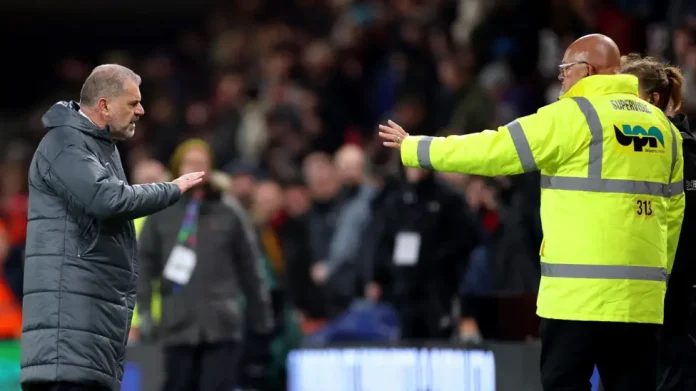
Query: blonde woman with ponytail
x=662 y=85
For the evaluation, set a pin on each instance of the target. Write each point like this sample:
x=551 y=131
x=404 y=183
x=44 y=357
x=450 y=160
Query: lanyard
x=187 y=232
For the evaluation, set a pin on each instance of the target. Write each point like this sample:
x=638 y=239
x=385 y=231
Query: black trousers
x=625 y=355
x=211 y=367
x=676 y=370
x=62 y=386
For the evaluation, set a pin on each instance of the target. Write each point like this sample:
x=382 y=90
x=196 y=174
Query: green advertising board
x=9 y=366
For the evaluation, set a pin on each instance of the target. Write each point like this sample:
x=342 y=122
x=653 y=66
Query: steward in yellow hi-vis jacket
x=612 y=202
x=611 y=169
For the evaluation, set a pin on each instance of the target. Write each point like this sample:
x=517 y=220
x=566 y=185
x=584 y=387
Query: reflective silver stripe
x=674 y=151
x=676 y=188
x=594 y=181
x=594 y=168
x=608 y=185
x=423 y=152
x=644 y=273
x=524 y=150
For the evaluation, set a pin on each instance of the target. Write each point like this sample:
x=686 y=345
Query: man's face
x=268 y=200
x=122 y=112
x=573 y=68
x=323 y=182
x=243 y=188
x=297 y=200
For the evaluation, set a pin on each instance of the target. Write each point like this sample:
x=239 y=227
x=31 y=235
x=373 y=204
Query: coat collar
x=603 y=85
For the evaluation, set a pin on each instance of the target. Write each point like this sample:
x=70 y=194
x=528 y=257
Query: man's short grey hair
x=106 y=81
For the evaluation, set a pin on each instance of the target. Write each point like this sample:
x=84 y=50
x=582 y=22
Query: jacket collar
x=603 y=85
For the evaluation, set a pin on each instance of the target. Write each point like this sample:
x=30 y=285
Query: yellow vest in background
x=612 y=197
x=156 y=305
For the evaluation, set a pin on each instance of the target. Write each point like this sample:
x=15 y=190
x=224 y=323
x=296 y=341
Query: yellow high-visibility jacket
x=612 y=197
x=156 y=303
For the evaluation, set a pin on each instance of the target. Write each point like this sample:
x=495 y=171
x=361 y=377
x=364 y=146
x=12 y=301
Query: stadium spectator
x=204 y=257
x=424 y=247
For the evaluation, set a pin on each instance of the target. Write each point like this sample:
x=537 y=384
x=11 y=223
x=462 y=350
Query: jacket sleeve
x=247 y=257
x=676 y=203
x=77 y=174
x=527 y=144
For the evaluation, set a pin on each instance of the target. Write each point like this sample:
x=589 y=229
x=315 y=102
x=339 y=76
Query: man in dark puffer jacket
x=80 y=268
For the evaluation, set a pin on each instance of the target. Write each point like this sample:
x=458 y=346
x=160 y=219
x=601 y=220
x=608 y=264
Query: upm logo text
x=650 y=140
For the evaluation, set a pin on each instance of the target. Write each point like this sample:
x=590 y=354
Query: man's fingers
x=388 y=129
x=396 y=126
x=393 y=130
x=388 y=136
x=193 y=183
x=392 y=145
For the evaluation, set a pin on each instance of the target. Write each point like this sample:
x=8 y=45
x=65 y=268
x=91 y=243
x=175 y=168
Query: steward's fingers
x=396 y=126
x=388 y=136
x=388 y=129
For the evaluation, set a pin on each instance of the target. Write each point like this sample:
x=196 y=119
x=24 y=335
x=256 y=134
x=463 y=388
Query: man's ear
x=591 y=70
x=654 y=99
x=102 y=106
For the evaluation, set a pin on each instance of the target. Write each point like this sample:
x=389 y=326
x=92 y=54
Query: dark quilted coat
x=80 y=270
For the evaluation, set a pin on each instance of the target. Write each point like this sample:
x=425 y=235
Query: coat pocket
x=88 y=239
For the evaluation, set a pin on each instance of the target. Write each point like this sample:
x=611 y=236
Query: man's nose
x=139 y=110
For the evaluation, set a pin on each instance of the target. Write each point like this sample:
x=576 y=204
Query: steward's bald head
x=593 y=54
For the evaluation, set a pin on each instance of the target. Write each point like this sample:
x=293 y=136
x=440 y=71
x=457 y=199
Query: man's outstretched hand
x=187 y=181
x=392 y=134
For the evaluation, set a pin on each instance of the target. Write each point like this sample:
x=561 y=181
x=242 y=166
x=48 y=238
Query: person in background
x=588 y=318
x=464 y=106
x=277 y=214
x=293 y=233
x=147 y=171
x=324 y=188
x=662 y=86
x=205 y=259
x=244 y=178
x=14 y=204
x=11 y=314
x=350 y=161
x=4 y=243
x=423 y=249
x=339 y=273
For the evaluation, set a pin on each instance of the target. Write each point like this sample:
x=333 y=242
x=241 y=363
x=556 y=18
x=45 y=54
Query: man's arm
x=77 y=174
x=527 y=144
x=675 y=203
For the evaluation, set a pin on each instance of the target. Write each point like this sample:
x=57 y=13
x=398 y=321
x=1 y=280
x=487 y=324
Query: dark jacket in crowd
x=208 y=309
x=680 y=289
x=80 y=270
x=677 y=357
x=448 y=233
x=304 y=293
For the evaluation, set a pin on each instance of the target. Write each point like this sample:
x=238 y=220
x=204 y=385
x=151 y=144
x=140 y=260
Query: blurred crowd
x=287 y=95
